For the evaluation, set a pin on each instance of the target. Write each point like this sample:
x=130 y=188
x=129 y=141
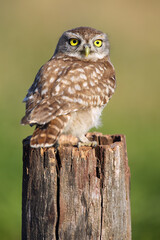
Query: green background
x=29 y=31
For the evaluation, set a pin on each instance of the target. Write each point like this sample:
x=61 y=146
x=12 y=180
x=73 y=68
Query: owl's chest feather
x=80 y=122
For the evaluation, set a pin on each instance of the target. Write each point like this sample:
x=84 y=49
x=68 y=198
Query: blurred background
x=29 y=31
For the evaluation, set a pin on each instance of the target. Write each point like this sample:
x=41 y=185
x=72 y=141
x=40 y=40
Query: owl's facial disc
x=83 y=45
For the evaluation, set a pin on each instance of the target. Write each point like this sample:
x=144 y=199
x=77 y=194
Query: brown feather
x=47 y=135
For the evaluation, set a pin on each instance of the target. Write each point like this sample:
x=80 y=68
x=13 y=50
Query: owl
x=71 y=90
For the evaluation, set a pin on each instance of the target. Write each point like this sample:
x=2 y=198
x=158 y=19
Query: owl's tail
x=47 y=135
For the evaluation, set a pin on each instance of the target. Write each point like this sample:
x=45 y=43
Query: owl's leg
x=83 y=141
x=48 y=134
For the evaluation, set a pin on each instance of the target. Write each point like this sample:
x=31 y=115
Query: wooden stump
x=80 y=194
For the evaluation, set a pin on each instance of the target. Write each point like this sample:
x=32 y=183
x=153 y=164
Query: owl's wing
x=40 y=91
x=76 y=86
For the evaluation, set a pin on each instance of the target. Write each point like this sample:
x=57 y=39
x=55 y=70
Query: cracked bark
x=77 y=193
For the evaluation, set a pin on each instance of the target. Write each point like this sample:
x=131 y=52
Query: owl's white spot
x=72 y=71
x=59 y=79
x=63 y=67
x=65 y=70
x=104 y=85
x=98 y=100
x=50 y=108
x=85 y=84
x=48 y=103
x=51 y=79
x=44 y=91
x=77 y=87
x=57 y=88
x=72 y=78
x=64 y=81
x=97 y=70
x=107 y=99
x=86 y=103
x=98 y=89
x=80 y=70
x=75 y=64
x=56 y=100
x=87 y=67
x=45 y=75
x=91 y=83
x=107 y=90
x=49 y=113
x=105 y=68
x=112 y=89
x=56 y=70
x=59 y=73
x=67 y=98
x=78 y=100
x=36 y=90
x=46 y=145
x=55 y=94
x=101 y=68
x=83 y=76
x=93 y=75
x=74 y=110
x=66 y=59
x=42 y=135
x=71 y=90
x=113 y=78
x=30 y=97
x=90 y=97
x=49 y=68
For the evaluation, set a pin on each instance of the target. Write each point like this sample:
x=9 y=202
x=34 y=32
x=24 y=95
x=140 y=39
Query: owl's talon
x=56 y=145
x=87 y=144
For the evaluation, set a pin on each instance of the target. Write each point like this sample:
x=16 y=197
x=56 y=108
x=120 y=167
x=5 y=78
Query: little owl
x=70 y=91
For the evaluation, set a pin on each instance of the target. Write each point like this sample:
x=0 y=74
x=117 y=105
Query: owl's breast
x=81 y=121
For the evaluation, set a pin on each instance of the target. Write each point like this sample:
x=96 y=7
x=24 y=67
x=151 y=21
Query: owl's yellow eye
x=98 y=43
x=73 y=42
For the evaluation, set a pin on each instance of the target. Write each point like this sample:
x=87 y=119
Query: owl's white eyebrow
x=71 y=35
x=100 y=36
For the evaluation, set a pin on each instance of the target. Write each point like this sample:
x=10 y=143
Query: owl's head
x=83 y=43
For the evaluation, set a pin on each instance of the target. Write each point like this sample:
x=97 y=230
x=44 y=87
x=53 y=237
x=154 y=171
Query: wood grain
x=76 y=193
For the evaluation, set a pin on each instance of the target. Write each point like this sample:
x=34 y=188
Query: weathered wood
x=73 y=193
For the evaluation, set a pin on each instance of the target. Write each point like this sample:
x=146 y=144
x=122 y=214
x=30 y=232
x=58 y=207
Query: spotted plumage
x=71 y=89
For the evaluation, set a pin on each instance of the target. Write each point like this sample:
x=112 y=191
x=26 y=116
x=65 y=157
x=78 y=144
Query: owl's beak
x=86 y=49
